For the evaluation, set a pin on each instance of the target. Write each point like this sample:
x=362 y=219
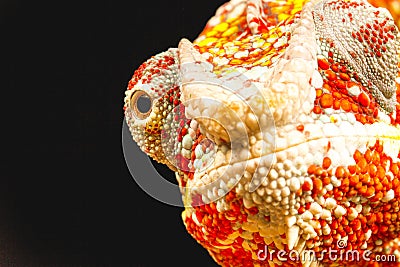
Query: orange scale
x=345 y=185
x=318 y=93
x=374 y=229
x=340 y=172
x=383 y=228
x=352 y=238
x=326 y=101
x=394 y=168
x=317 y=110
x=300 y=127
x=359 y=186
x=319 y=172
x=352 y=169
x=311 y=169
x=336 y=104
x=307 y=186
x=378 y=186
x=323 y=64
x=337 y=95
x=363 y=120
x=381 y=173
x=387 y=217
x=370 y=192
x=335 y=67
x=372 y=170
x=397 y=191
x=354 y=108
x=332 y=85
x=328 y=87
x=345 y=105
x=301 y=210
x=344 y=76
x=372 y=107
x=363 y=190
x=395 y=183
x=341 y=84
x=317 y=185
x=357 y=156
x=387 y=207
x=330 y=75
x=368 y=155
x=354 y=180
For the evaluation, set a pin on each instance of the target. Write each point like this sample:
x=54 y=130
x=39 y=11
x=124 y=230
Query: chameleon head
x=174 y=110
x=152 y=96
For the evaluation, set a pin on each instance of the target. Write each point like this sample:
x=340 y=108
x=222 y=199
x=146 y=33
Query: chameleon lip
x=360 y=138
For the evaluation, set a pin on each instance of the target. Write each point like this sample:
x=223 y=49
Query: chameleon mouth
x=287 y=160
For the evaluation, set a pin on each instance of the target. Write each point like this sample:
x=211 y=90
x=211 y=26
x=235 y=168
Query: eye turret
x=141 y=105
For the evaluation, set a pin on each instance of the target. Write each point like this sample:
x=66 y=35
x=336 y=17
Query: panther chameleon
x=282 y=124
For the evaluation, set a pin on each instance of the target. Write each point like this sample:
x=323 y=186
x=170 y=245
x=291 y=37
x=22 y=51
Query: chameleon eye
x=141 y=104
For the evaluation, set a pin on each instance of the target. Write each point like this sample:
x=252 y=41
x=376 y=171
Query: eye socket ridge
x=141 y=104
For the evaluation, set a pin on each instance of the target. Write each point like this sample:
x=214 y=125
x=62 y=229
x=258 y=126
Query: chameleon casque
x=282 y=124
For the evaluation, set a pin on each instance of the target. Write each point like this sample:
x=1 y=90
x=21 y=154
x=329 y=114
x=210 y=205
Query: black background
x=66 y=196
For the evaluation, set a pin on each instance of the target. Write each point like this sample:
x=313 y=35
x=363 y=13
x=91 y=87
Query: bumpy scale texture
x=392 y=5
x=281 y=122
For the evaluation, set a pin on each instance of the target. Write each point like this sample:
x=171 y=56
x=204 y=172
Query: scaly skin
x=281 y=122
x=392 y=5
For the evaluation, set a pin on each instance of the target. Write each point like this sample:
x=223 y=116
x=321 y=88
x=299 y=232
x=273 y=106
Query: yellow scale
x=226 y=39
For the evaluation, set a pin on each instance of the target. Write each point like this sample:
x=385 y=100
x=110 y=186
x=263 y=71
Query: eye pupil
x=143 y=104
